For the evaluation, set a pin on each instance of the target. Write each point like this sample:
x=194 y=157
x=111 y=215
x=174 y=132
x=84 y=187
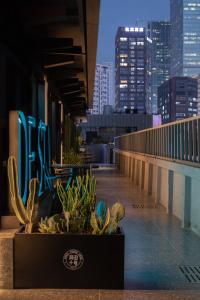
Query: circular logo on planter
x=73 y=259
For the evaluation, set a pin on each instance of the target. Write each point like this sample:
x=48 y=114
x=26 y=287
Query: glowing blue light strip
x=31 y=124
x=41 y=138
x=23 y=186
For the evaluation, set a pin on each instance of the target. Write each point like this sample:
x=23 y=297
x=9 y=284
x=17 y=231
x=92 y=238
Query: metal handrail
x=179 y=140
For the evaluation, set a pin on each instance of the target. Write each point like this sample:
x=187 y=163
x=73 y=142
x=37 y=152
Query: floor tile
x=156 y=245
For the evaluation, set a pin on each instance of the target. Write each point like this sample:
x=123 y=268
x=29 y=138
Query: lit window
x=123 y=86
x=123 y=39
x=123 y=55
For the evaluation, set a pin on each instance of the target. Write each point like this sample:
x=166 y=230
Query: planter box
x=69 y=261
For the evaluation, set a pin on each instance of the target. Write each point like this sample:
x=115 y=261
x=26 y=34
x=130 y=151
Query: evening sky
x=115 y=13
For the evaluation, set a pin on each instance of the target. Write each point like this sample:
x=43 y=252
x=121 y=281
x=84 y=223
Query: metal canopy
x=57 y=38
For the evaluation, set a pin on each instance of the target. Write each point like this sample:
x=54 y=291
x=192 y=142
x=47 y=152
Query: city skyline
x=126 y=13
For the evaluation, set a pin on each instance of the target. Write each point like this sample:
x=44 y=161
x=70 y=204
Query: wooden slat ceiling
x=57 y=38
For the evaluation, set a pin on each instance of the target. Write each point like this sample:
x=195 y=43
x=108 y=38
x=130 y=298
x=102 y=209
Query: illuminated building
x=185 y=37
x=177 y=99
x=103 y=87
x=159 y=33
x=131 y=67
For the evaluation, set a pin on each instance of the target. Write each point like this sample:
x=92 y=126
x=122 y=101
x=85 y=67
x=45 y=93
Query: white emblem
x=73 y=259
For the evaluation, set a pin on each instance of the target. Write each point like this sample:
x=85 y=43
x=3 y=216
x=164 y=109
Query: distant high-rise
x=159 y=33
x=131 y=67
x=198 y=104
x=177 y=99
x=185 y=37
x=103 y=88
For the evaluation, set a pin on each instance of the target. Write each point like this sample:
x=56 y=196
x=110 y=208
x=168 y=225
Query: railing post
x=158 y=186
x=187 y=203
x=142 y=175
x=170 y=191
x=198 y=139
x=150 y=176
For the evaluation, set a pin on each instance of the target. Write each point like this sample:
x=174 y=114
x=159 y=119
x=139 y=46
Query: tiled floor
x=155 y=243
x=155 y=248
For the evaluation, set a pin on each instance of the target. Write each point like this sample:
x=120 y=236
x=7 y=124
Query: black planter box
x=69 y=261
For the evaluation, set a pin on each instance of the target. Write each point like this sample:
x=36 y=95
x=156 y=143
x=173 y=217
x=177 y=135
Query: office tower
x=131 y=69
x=159 y=33
x=198 y=98
x=185 y=37
x=103 y=87
x=177 y=99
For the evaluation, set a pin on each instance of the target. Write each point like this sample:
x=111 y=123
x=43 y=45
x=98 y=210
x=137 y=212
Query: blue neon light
x=43 y=153
x=22 y=161
x=31 y=154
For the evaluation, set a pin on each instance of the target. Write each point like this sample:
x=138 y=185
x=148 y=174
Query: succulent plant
x=54 y=224
x=101 y=221
x=100 y=218
x=101 y=211
x=96 y=226
x=26 y=215
x=78 y=201
x=117 y=214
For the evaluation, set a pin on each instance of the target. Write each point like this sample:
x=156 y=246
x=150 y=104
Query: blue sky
x=116 y=13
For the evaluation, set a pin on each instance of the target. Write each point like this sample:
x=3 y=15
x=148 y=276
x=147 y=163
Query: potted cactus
x=82 y=247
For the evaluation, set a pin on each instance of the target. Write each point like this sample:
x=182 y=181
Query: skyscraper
x=131 y=67
x=177 y=99
x=103 y=88
x=159 y=33
x=185 y=37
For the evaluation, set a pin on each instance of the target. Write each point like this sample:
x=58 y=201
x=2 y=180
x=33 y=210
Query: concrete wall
x=174 y=185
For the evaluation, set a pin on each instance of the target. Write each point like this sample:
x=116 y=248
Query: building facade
x=103 y=88
x=178 y=99
x=131 y=69
x=198 y=102
x=185 y=37
x=159 y=33
x=103 y=128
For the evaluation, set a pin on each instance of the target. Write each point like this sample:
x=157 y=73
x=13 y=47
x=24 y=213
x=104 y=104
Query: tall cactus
x=26 y=215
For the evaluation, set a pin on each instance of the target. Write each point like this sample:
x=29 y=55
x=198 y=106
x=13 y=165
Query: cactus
x=117 y=214
x=101 y=210
x=54 y=224
x=100 y=220
x=78 y=201
x=26 y=215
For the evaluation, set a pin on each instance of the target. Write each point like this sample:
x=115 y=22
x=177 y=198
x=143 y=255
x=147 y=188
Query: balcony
x=48 y=56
